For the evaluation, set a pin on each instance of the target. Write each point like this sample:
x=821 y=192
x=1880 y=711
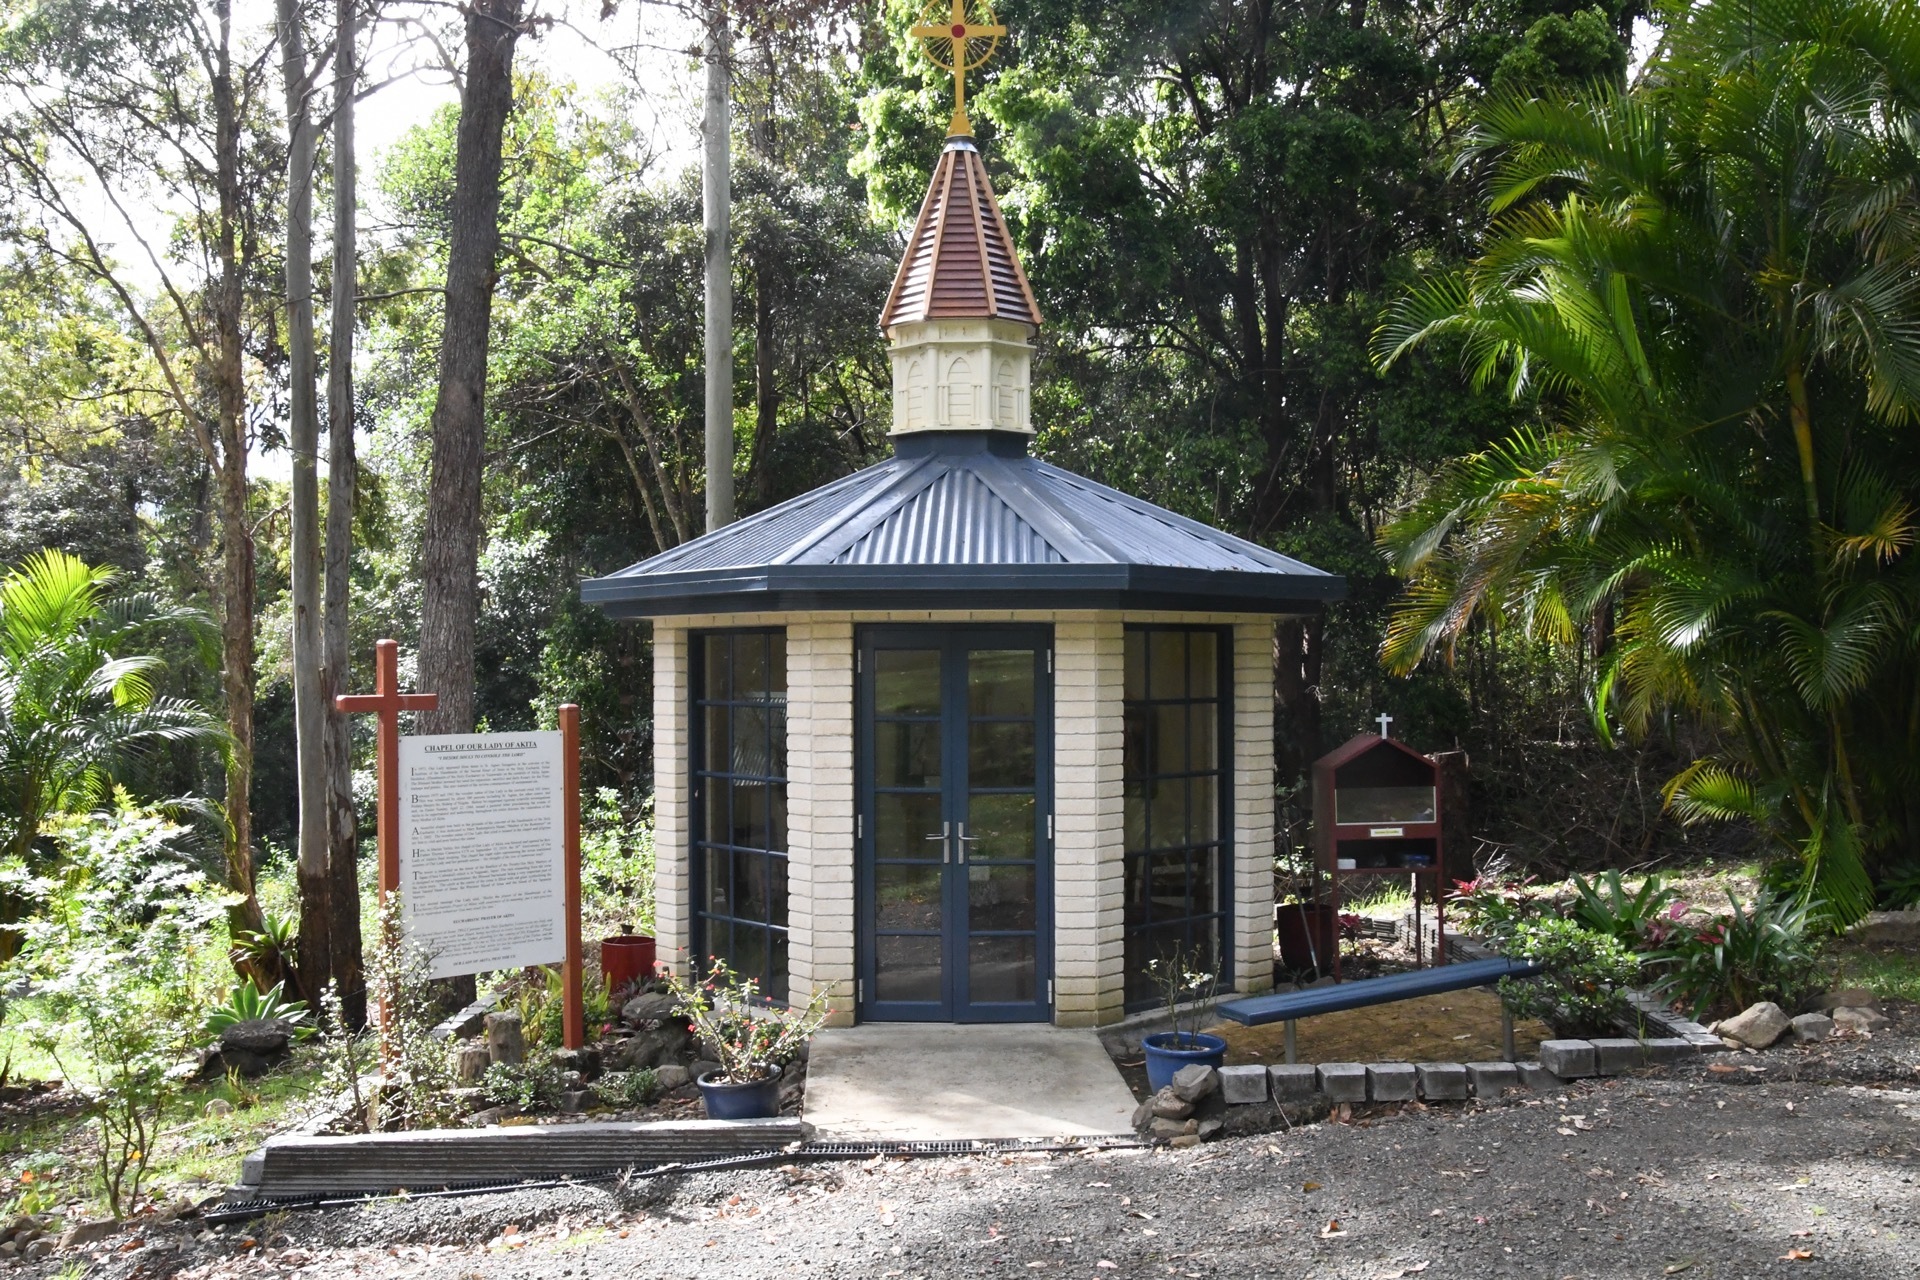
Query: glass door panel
x=955 y=894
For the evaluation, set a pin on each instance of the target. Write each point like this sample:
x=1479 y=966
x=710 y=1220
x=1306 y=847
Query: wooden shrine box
x=1376 y=812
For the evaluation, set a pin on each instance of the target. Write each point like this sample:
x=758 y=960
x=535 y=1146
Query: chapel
x=965 y=736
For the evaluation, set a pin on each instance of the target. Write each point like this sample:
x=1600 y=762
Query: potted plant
x=751 y=1039
x=626 y=958
x=1182 y=983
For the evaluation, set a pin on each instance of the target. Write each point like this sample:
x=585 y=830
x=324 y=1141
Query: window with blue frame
x=1175 y=790
x=740 y=803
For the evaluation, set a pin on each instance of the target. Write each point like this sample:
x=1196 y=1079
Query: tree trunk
x=766 y=395
x=716 y=199
x=303 y=438
x=236 y=533
x=450 y=546
x=343 y=833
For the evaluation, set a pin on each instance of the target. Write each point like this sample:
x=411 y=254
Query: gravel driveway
x=1692 y=1175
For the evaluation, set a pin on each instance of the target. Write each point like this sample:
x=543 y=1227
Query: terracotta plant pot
x=625 y=959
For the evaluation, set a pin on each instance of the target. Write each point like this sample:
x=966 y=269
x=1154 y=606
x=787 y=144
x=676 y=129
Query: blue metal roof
x=964 y=520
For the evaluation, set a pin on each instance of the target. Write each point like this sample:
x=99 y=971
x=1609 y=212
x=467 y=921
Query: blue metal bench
x=1288 y=1006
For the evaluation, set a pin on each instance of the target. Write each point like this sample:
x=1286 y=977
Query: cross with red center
x=954 y=36
x=387 y=702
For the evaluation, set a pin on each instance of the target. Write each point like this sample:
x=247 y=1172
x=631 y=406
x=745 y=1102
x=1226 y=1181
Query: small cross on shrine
x=387 y=702
x=959 y=43
x=1385 y=720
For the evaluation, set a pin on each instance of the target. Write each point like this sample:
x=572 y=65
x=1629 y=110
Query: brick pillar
x=1088 y=883
x=1253 y=806
x=671 y=770
x=820 y=812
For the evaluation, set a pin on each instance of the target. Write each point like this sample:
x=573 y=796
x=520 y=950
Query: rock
x=1169 y=1105
x=481 y=1119
x=9 y=1249
x=648 y=1006
x=584 y=1062
x=1143 y=1114
x=1757 y=1027
x=255 y=1046
x=672 y=1076
x=1809 y=1027
x=1852 y=1019
x=1846 y=998
x=37 y=1248
x=468 y=1098
x=1185 y=1140
x=1195 y=1081
x=84 y=1233
x=1164 y=1128
x=470 y=1062
x=1901 y=928
x=217 y=1107
x=506 y=1039
x=1210 y=1128
x=574 y=1101
x=699 y=1067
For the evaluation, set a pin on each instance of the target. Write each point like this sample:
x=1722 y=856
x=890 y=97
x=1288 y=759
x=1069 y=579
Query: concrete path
x=918 y=1081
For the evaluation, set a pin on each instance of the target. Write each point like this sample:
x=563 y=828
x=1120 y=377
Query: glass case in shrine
x=1376 y=812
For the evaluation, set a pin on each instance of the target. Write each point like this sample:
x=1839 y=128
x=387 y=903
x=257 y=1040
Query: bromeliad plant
x=750 y=1038
x=1766 y=950
x=247 y=1003
x=1629 y=916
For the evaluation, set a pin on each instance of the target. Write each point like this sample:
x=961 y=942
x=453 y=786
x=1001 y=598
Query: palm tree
x=1709 y=283
x=76 y=707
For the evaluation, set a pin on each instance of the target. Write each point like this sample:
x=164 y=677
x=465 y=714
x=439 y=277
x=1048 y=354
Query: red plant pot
x=625 y=959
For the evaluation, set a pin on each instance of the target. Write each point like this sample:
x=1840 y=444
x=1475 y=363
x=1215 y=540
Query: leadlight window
x=1177 y=736
x=740 y=803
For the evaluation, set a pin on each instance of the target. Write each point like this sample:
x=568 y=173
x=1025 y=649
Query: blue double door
x=955 y=866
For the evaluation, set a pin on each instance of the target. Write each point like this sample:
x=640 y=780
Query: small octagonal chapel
x=963 y=736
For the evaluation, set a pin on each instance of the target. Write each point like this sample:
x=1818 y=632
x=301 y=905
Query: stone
x=1757 y=1026
x=1210 y=1128
x=1809 y=1027
x=9 y=1249
x=1883 y=928
x=1243 y=1085
x=1169 y=1105
x=38 y=1248
x=217 y=1107
x=1535 y=1077
x=1666 y=1049
x=1143 y=1114
x=1195 y=1081
x=1568 y=1059
x=255 y=1046
x=585 y=1062
x=1491 y=1079
x=1186 y=1140
x=1617 y=1056
x=1293 y=1081
x=648 y=1006
x=1852 y=1019
x=506 y=1040
x=1442 y=1081
x=1391 y=1081
x=1165 y=1128
x=469 y=1098
x=1846 y=998
x=85 y=1233
x=699 y=1067
x=470 y=1062
x=1343 y=1081
x=481 y=1119
x=672 y=1076
x=574 y=1101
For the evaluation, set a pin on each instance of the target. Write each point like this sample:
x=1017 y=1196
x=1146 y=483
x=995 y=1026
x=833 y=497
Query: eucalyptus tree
x=1709 y=282
x=137 y=148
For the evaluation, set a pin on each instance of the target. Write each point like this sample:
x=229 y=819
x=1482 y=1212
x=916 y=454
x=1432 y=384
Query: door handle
x=946 y=848
x=966 y=840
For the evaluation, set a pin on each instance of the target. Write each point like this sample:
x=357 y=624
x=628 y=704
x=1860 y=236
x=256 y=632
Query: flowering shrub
x=749 y=1038
x=1763 y=951
x=1587 y=974
x=1495 y=907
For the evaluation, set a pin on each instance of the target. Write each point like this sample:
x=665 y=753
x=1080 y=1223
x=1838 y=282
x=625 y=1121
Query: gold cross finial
x=960 y=35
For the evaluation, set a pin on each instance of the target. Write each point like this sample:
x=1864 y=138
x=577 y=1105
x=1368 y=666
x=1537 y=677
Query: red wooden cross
x=387 y=702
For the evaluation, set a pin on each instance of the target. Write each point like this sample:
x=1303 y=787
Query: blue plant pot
x=1166 y=1055
x=759 y=1100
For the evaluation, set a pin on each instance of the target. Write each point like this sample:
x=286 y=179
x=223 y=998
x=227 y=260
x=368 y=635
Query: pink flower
x=1678 y=909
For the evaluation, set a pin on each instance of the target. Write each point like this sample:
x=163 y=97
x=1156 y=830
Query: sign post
x=482 y=830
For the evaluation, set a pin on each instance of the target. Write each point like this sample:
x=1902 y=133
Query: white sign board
x=482 y=849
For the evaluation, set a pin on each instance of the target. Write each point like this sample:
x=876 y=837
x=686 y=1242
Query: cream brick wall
x=670 y=816
x=1089 y=653
x=1253 y=805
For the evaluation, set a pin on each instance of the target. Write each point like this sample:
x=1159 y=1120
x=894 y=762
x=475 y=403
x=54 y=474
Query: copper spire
x=960 y=262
